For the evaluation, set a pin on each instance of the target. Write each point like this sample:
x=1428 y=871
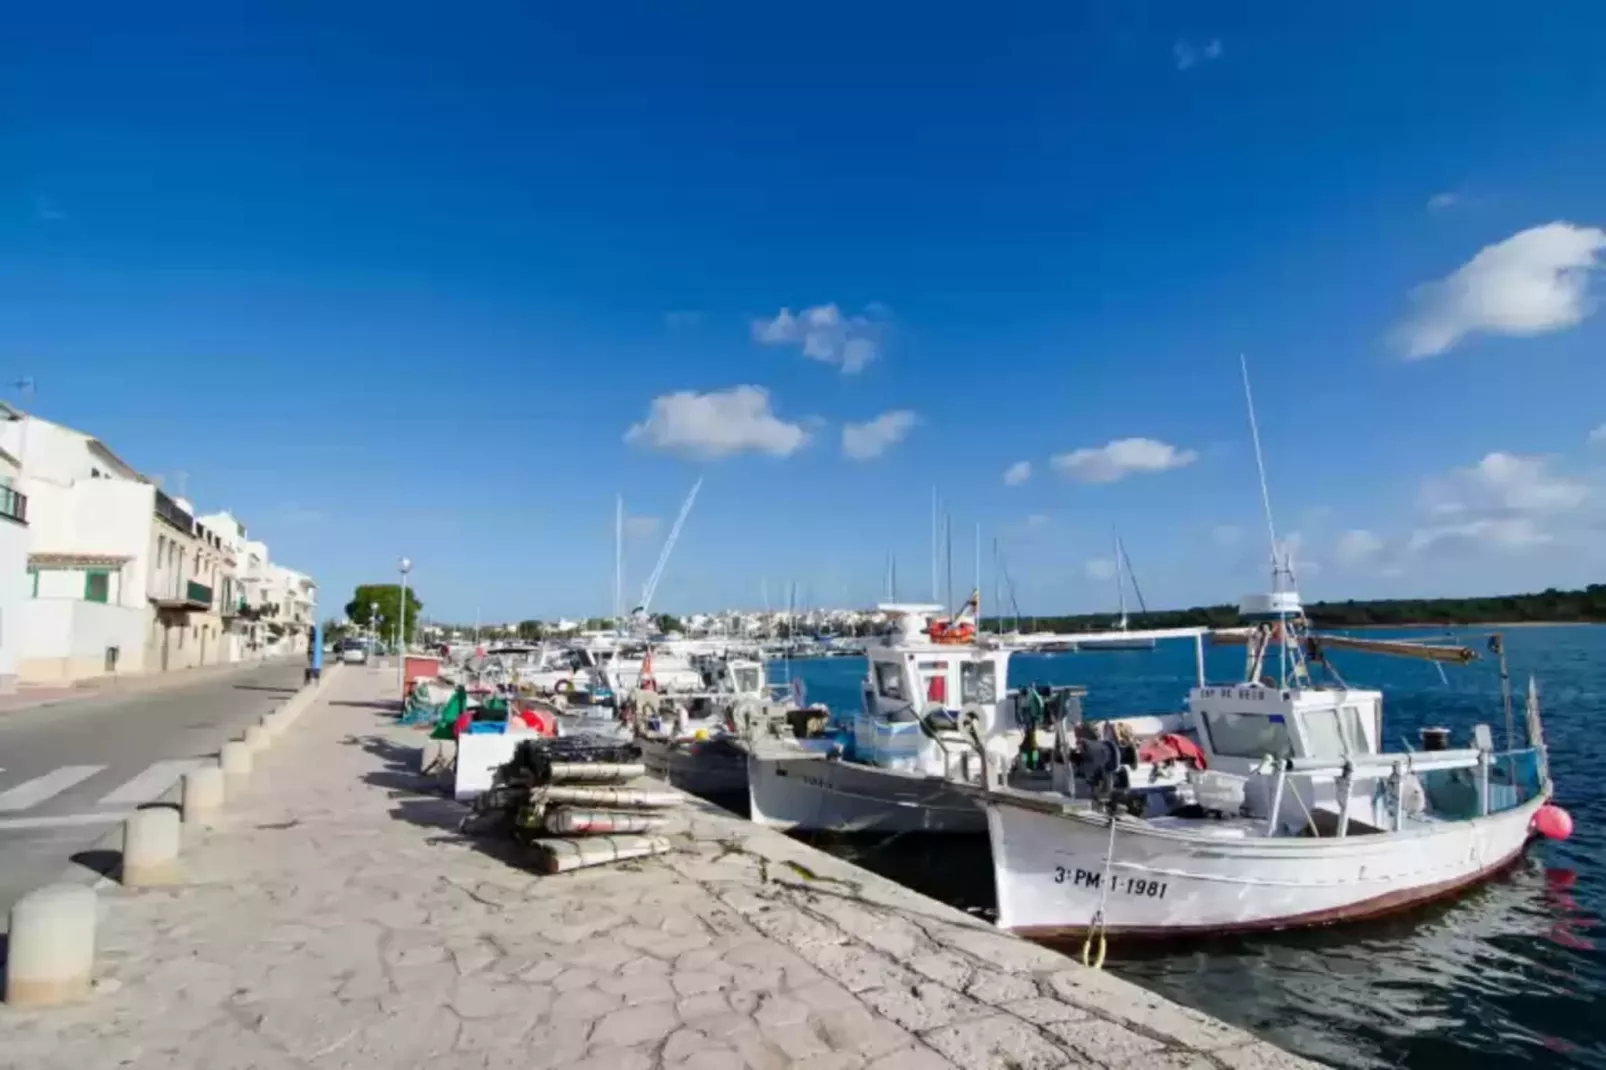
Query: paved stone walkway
x=334 y=918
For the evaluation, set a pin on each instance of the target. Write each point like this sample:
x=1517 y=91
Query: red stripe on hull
x=1376 y=907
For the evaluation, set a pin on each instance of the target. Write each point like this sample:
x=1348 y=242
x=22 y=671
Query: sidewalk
x=31 y=696
x=334 y=919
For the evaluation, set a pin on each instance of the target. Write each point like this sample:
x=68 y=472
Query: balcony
x=13 y=505
x=186 y=596
x=169 y=510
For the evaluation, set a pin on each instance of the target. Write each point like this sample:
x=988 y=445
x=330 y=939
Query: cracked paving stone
x=626 y=1028
x=997 y=1041
x=920 y=1058
x=639 y=988
x=584 y=1004
x=923 y=1006
x=1103 y=1041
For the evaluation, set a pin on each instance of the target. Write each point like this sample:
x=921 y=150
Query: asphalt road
x=69 y=773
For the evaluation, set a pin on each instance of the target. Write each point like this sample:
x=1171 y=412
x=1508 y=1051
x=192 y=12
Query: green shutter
x=97 y=591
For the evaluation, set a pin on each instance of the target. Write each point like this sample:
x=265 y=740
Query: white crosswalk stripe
x=157 y=778
x=33 y=792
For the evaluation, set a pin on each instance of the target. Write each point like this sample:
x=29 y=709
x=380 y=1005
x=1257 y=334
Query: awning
x=78 y=560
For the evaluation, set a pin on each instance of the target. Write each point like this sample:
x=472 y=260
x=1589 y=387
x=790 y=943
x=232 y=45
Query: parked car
x=353 y=652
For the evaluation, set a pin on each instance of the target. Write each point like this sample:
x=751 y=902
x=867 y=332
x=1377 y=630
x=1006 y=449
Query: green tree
x=387 y=596
x=665 y=623
x=531 y=629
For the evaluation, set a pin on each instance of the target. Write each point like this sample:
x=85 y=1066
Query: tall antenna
x=948 y=554
x=1260 y=467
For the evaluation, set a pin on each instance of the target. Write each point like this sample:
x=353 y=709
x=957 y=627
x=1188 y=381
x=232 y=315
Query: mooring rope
x=1096 y=929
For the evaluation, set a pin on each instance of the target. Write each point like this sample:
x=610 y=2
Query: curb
x=112 y=841
x=146 y=683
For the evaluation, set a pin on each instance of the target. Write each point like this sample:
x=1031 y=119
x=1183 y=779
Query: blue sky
x=398 y=278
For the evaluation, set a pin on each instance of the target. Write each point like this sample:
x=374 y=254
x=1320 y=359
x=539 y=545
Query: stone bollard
x=203 y=793
x=151 y=840
x=271 y=724
x=256 y=739
x=50 y=951
x=235 y=761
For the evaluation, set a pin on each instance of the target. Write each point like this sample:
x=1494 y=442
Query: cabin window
x=978 y=682
x=747 y=679
x=1321 y=729
x=1360 y=739
x=1248 y=735
x=889 y=680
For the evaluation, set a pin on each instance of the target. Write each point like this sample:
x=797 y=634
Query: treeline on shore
x=1588 y=604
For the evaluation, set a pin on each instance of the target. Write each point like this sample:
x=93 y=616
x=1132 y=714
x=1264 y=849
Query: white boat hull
x=815 y=794
x=1050 y=873
x=696 y=767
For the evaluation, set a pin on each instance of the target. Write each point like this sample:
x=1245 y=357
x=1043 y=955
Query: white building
x=14 y=579
x=119 y=576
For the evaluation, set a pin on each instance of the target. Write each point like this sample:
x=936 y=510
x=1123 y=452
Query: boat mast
x=978 y=577
x=669 y=545
x=1120 y=588
x=619 y=561
x=1282 y=567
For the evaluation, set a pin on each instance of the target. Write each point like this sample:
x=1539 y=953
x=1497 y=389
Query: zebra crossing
x=21 y=798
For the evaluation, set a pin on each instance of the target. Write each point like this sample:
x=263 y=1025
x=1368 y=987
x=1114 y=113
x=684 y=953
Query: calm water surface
x=1507 y=975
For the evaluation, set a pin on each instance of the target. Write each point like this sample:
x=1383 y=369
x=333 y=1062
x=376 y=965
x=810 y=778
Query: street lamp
x=406 y=566
x=373 y=629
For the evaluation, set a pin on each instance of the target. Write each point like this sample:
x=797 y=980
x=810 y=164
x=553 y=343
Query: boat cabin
x=1240 y=725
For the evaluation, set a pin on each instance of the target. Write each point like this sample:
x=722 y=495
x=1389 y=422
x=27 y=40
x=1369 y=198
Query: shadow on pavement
x=259 y=687
x=104 y=861
x=382 y=706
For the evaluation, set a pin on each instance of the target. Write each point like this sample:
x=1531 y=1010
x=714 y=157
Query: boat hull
x=1050 y=873
x=697 y=768
x=817 y=794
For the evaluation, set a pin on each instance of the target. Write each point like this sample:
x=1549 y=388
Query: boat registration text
x=1087 y=878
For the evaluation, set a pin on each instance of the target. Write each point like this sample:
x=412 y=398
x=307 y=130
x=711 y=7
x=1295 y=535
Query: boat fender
x=563 y=687
x=1552 y=822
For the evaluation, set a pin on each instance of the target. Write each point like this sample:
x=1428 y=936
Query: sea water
x=1506 y=974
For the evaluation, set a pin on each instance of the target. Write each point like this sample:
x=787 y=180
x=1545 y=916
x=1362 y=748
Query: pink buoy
x=1552 y=822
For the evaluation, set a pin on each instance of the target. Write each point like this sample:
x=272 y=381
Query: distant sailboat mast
x=1120 y=588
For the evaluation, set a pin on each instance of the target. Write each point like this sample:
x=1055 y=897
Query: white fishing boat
x=1270 y=803
x=935 y=708
x=697 y=741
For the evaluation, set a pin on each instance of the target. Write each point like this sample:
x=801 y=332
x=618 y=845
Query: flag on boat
x=645 y=680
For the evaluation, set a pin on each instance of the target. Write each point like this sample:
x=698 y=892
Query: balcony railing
x=169 y=510
x=14 y=504
x=198 y=595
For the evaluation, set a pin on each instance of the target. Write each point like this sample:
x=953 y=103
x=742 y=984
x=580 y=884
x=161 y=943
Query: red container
x=418 y=667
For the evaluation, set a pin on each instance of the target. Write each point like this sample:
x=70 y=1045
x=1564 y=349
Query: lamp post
x=406 y=566
x=373 y=629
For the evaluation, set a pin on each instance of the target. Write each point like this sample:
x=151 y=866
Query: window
x=1356 y=727
x=978 y=682
x=747 y=681
x=33 y=574
x=97 y=585
x=1321 y=729
x=889 y=679
x=1248 y=735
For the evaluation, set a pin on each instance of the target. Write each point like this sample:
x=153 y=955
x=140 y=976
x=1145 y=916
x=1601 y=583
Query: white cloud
x=1226 y=536
x=861 y=442
x=1535 y=281
x=1357 y=547
x=1441 y=201
x=1293 y=552
x=826 y=335
x=1036 y=522
x=1508 y=533
x=1187 y=54
x=642 y=527
x=1017 y=473
x=717 y=424
x=1117 y=460
x=1100 y=569
x=1597 y=437
x=1504 y=484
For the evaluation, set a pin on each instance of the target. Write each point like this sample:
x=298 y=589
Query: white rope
x=1096 y=929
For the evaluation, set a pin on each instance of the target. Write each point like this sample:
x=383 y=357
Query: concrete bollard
x=203 y=793
x=235 y=761
x=255 y=739
x=50 y=951
x=270 y=723
x=151 y=840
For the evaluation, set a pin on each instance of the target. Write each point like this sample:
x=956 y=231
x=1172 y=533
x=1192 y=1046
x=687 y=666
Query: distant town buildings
x=102 y=572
